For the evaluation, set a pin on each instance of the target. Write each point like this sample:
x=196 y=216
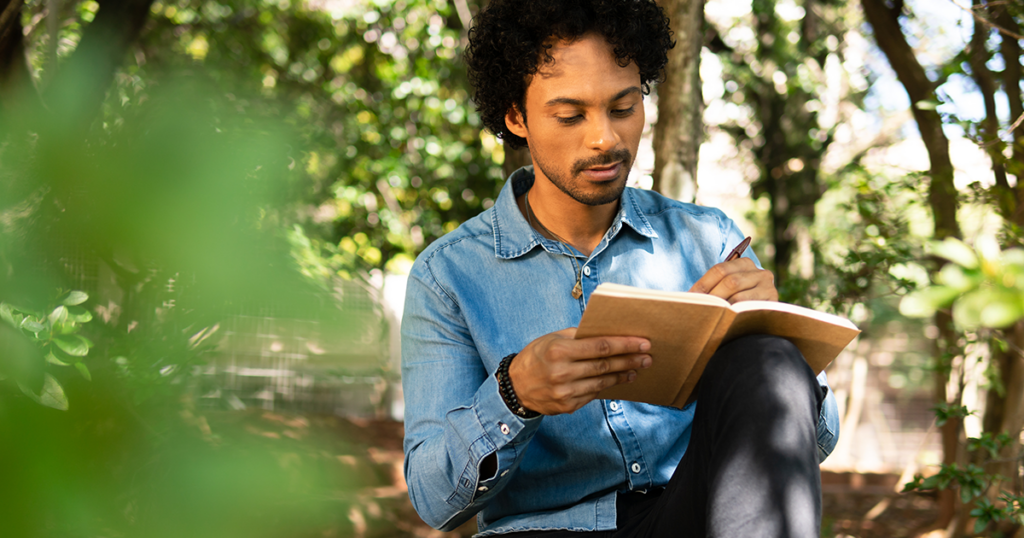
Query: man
x=501 y=419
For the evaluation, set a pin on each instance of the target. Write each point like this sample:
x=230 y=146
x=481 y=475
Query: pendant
x=577 y=290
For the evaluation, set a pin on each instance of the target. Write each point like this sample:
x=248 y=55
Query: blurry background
x=207 y=209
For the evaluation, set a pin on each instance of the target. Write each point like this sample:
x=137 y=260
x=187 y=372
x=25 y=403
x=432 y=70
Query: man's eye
x=622 y=112
x=570 y=120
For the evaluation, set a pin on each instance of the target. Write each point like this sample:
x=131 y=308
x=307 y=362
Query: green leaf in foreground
x=6 y=314
x=58 y=316
x=52 y=359
x=956 y=251
x=32 y=325
x=73 y=345
x=84 y=370
x=51 y=395
x=75 y=297
x=79 y=314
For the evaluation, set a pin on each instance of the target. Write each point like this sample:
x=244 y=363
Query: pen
x=738 y=251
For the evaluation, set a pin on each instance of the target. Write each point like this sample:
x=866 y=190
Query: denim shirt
x=488 y=289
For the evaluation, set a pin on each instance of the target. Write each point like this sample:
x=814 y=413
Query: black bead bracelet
x=508 y=394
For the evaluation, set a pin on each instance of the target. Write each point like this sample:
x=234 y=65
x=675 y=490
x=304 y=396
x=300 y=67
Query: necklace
x=577 y=290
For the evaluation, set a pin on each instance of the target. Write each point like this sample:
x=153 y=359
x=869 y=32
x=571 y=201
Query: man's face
x=584 y=117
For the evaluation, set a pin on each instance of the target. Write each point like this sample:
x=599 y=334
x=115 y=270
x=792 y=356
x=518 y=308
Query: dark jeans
x=751 y=469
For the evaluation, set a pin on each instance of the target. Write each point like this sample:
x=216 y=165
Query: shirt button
x=482 y=488
x=586 y=270
x=614 y=406
x=504 y=428
x=635 y=467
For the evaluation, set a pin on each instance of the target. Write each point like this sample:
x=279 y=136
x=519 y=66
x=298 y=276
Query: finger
x=603 y=346
x=576 y=395
x=762 y=292
x=736 y=283
x=714 y=276
x=589 y=387
x=611 y=365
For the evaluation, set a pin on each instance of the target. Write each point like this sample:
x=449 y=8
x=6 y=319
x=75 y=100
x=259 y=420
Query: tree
x=680 y=128
x=1002 y=412
x=780 y=78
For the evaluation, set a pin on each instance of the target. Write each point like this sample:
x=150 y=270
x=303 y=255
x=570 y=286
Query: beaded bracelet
x=508 y=394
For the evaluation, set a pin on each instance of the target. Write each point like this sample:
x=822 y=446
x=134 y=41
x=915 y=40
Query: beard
x=569 y=183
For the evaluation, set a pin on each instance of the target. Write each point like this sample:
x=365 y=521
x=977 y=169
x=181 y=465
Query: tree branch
x=983 y=20
x=977 y=57
x=889 y=36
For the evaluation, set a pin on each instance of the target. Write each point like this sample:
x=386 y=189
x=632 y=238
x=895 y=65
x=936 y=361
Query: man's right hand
x=557 y=374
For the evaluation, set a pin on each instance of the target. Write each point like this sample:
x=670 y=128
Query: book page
x=820 y=337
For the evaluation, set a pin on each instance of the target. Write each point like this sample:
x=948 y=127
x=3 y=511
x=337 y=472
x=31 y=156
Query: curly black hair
x=510 y=39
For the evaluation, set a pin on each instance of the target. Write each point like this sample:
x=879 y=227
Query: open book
x=685 y=329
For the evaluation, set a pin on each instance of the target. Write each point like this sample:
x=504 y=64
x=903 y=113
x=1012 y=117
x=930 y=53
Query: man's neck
x=556 y=215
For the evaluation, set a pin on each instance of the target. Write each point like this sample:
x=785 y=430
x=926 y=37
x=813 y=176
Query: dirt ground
x=854 y=505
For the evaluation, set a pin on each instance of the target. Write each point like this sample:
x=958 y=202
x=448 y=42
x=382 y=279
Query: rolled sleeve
x=828 y=421
x=455 y=417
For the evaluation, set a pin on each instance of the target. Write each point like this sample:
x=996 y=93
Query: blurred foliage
x=984 y=286
x=390 y=155
x=787 y=87
x=248 y=154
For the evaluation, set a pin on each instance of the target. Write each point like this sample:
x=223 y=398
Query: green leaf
x=980 y=523
x=32 y=325
x=73 y=345
x=75 y=297
x=79 y=314
x=52 y=359
x=84 y=370
x=1001 y=314
x=58 y=316
x=956 y=251
x=6 y=314
x=924 y=303
x=52 y=394
x=956 y=277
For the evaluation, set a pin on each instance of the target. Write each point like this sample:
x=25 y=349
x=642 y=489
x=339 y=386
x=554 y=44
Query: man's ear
x=515 y=122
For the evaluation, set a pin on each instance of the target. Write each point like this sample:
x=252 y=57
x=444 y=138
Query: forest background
x=215 y=154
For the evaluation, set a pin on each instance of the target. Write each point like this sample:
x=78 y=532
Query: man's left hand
x=738 y=280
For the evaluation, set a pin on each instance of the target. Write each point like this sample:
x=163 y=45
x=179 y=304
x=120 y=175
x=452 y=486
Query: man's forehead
x=560 y=54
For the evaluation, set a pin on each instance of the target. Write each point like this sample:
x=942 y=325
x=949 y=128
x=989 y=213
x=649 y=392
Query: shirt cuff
x=498 y=431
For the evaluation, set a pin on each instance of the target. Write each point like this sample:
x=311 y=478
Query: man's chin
x=602 y=194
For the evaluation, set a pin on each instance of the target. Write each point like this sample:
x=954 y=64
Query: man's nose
x=601 y=136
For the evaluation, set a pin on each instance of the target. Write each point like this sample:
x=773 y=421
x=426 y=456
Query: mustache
x=612 y=156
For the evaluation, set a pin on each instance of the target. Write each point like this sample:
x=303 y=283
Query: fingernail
x=644 y=346
x=646 y=362
x=630 y=377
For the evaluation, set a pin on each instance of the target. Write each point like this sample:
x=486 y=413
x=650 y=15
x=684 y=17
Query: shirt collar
x=513 y=236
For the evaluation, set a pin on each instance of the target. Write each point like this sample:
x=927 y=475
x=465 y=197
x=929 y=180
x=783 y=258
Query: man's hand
x=557 y=374
x=738 y=280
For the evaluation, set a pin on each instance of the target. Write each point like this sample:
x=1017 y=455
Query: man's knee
x=763 y=357
x=761 y=371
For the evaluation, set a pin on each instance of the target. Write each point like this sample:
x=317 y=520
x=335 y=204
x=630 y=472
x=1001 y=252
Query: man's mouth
x=603 y=172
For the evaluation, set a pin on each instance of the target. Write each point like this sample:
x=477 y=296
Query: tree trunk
x=942 y=196
x=1012 y=75
x=680 y=128
x=977 y=56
